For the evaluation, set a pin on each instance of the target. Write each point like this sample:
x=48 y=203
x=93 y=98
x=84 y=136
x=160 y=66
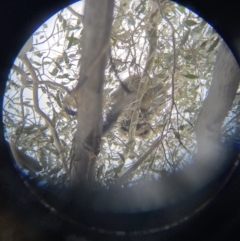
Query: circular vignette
x=229 y=39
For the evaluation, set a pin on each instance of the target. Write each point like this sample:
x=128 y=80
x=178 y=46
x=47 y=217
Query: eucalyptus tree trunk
x=219 y=101
x=98 y=17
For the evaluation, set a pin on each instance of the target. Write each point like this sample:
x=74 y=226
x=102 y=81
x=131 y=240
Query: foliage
x=183 y=61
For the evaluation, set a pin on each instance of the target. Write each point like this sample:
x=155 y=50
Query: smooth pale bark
x=219 y=101
x=98 y=17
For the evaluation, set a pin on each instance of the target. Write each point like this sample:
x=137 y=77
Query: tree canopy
x=162 y=44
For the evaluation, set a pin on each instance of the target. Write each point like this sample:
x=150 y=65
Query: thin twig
x=135 y=165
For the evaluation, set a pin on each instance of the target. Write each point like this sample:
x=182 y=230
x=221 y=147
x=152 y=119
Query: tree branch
x=124 y=178
x=78 y=15
x=54 y=133
x=152 y=39
x=25 y=80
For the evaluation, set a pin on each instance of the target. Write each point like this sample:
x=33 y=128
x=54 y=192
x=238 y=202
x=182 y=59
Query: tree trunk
x=221 y=94
x=98 y=17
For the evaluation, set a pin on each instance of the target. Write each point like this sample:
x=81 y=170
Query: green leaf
x=51 y=140
x=46 y=62
x=131 y=156
x=43 y=152
x=38 y=64
x=58 y=99
x=29 y=127
x=214 y=45
x=130 y=142
x=55 y=170
x=64 y=76
x=181 y=127
x=64 y=23
x=43 y=128
x=59 y=59
x=190 y=109
x=38 y=53
x=161 y=76
x=133 y=62
x=156 y=61
x=54 y=117
x=54 y=72
x=26 y=102
x=142 y=9
x=121 y=156
x=58 y=65
x=65 y=57
x=29 y=132
x=191 y=76
x=131 y=20
x=79 y=62
x=60 y=17
x=114 y=41
x=138 y=7
x=190 y=23
x=72 y=41
x=182 y=9
x=188 y=57
x=168 y=59
x=203 y=44
x=177 y=135
x=74 y=27
x=185 y=38
x=119 y=168
x=203 y=23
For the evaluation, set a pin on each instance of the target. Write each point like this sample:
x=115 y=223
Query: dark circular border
x=217 y=221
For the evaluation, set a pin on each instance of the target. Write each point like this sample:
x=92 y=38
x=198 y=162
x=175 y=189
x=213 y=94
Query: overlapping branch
x=38 y=110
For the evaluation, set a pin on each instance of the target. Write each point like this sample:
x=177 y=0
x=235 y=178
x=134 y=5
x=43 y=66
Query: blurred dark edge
x=18 y=207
